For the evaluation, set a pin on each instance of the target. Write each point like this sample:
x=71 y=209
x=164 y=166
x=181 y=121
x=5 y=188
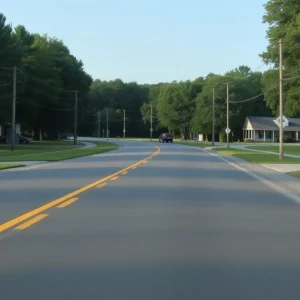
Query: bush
x=223 y=137
x=287 y=139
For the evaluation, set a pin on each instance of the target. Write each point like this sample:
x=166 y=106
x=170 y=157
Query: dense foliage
x=48 y=74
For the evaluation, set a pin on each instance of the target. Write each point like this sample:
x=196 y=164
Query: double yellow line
x=36 y=211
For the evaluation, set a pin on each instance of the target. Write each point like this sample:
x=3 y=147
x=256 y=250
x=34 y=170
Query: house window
x=260 y=134
x=269 y=134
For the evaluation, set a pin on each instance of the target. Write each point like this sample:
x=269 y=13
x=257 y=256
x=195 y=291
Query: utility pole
x=124 y=129
x=99 y=124
x=227 y=129
x=151 y=121
x=107 y=124
x=13 y=123
x=280 y=102
x=75 y=118
x=213 y=119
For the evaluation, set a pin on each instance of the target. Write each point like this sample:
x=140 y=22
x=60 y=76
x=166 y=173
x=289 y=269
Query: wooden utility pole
x=99 y=124
x=280 y=102
x=213 y=119
x=75 y=118
x=13 y=121
x=227 y=129
x=151 y=121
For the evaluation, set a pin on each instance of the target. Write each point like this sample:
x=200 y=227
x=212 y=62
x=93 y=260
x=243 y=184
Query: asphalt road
x=181 y=225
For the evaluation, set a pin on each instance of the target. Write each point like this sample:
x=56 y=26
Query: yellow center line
x=114 y=178
x=102 y=185
x=133 y=168
x=31 y=222
x=36 y=211
x=68 y=202
x=124 y=173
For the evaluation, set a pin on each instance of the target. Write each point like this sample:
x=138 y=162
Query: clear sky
x=152 y=40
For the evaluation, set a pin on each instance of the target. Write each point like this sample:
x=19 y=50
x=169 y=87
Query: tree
x=176 y=106
x=118 y=96
x=244 y=87
x=202 y=120
x=11 y=50
x=283 y=18
x=10 y=56
x=153 y=95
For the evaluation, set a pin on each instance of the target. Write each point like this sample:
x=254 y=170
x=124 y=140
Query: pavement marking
x=68 y=202
x=31 y=222
x=114 y=178
x=124 y=173
x=133 y=168
x=29 y=214
x=270 y=184
x=102 y=185
x=32 y=167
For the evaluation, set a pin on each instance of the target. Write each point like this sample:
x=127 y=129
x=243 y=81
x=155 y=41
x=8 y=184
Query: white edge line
x=270 y=184
x=25 y=168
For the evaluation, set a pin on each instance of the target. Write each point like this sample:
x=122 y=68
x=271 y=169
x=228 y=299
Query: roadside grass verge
x=295 y=174
x=62 y=154
x=256 y=157
x=55 y=143
x=36 y=148
x=288 y=149
x=192 y=143
x=8 y=166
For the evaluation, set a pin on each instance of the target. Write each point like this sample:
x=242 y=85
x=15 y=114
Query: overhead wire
x=46 y=107
x=291 y=78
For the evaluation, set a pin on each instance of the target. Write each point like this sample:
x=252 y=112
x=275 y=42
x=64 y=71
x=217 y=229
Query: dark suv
x=166 y=137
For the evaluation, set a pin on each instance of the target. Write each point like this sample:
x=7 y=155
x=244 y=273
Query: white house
x=265 y=129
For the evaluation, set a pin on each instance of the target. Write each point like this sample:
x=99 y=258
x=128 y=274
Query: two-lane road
x=182 y=224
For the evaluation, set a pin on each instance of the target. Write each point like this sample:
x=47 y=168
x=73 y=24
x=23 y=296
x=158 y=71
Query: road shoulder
x=284 y=183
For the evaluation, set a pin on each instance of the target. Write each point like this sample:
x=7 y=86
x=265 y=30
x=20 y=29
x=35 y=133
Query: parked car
x=22 y=139
x=166 y=137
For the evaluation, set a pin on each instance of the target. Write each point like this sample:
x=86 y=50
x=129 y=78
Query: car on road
x=166 y=137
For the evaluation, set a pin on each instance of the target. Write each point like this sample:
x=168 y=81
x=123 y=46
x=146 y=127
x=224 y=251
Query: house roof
x=267 y=123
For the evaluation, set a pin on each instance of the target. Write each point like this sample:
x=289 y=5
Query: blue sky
x=152 y=40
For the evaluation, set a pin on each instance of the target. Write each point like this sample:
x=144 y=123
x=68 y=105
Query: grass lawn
x=55 y=143
x=8 y=166
x=288 y=149
x=295 y=174
x=35 y=148
x=256 y=157
x=52 y=152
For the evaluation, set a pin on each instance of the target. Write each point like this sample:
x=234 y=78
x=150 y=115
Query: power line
x=46 y=107
x=259 y=67
x=255 y=97
x=218 y=106
x=8 y=68
x=291 y=78
x=246 y=100
x=87 y=110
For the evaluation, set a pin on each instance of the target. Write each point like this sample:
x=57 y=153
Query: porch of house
x=268 y=135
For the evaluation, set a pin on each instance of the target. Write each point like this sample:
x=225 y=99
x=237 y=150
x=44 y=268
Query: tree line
x=48 y=76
